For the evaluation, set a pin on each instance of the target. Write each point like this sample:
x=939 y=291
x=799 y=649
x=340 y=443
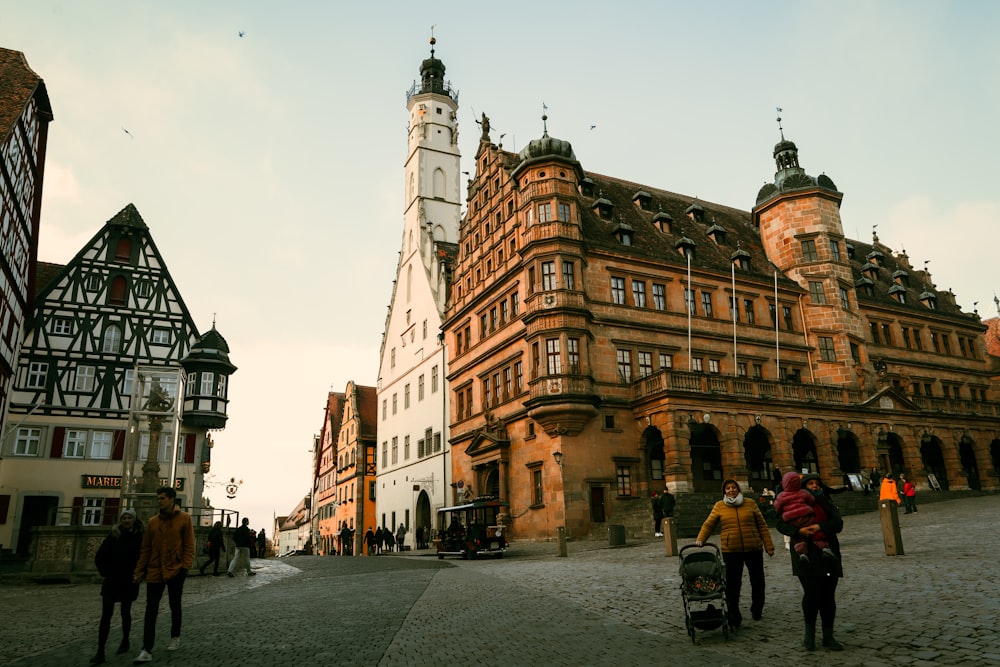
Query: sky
x=269 y=167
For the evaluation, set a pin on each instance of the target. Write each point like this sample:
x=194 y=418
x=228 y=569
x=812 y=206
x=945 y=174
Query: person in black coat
x=116 y=559
x=817 y=575
x=214 y=545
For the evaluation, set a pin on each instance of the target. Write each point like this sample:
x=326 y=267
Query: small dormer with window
x=717 y=233
x=898 y=292
x=865 y=286
x=643 y=200
x=740 y=258
x=870 y=271
x=850 y=251
x=587 y=186
x=686 y=247
x=901 y=278
x=929 y=299
x=695 y=212
x=603 y=207
x=876 y=257
x=663 y=222
x=623 y=233
x=208 y=369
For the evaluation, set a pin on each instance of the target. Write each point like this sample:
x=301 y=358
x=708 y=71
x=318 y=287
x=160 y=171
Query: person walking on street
x=215 y=545
x=371 y=541
x=241 y=548
x=818 y=576
x=909 y=495
x=744 y=538
x=657 y=514
x=888 y=489
x=261 y=544
x=166 y=555
x=667 y=504
x=115 y=560
x=400 y=536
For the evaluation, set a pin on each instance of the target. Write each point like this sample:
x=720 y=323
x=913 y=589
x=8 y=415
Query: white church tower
x=414 y=462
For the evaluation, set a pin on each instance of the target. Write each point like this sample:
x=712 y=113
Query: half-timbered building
x=25 y=114
x=112 y=309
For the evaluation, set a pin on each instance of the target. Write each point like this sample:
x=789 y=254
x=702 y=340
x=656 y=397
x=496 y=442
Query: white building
x=414 y=467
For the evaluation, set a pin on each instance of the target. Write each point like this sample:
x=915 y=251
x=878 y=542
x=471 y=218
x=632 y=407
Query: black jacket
x=818 y=566
x=116 y=559
x=667 y=503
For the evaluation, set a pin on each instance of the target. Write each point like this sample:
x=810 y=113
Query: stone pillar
x=677 y=452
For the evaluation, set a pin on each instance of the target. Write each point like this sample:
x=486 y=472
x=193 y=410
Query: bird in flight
x=241 y=33
x=592 y=126
x=128 y=133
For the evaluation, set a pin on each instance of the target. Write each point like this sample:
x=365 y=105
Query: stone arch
x=655 y=456
x=491 y=483
x=804 y=451
x=995 y=454
x=757 y=450
x=933 y=459
x=706 y=457
x=967 y=457
x=422 y=511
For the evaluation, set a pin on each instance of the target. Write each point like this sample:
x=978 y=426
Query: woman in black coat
x=116 y=559
x=818 y=575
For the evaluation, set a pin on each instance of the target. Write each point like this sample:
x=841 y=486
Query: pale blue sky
x=269 y=167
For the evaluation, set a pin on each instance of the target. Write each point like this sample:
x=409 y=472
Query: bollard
x=562 y=541
x=890 y=527
x=670 y=535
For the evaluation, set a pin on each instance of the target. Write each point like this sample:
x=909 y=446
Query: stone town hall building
x=593 y=353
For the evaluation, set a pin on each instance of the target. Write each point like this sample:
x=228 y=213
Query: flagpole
x=736 y=305
x=777 y=343
x=690 y=304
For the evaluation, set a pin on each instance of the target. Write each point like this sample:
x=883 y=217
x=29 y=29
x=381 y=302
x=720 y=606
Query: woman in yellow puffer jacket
x=744 y=539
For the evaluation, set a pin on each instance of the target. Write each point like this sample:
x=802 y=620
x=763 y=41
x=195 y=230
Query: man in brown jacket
x=166 y=555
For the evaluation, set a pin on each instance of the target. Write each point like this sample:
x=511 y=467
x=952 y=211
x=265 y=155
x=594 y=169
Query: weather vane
x=780 y=130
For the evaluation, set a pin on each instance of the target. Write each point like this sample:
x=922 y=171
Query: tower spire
x=781 y=131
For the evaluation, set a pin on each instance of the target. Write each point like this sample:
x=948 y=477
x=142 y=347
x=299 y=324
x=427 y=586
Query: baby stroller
x=703 y=589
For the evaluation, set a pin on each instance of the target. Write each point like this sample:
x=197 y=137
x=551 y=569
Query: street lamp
x=558 y=456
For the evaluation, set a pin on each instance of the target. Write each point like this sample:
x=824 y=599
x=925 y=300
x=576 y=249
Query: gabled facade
x=325 y=476
x=354 y=456
x=113 y=308
x=25 y=114
x=413 y=460
x=607 y=338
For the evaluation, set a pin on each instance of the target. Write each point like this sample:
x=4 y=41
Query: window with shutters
x=93 y=511
x=75 y=445
x=101 y=444
x=27 y=441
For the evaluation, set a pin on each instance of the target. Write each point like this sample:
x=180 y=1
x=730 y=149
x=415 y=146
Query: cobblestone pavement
x=936 y=605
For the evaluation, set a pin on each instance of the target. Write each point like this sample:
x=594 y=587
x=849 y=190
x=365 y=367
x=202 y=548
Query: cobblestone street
x=936 y=605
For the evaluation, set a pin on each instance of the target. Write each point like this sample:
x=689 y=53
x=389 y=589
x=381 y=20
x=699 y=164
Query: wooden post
x=887 y=510
x=670 y=535
x=562 y=541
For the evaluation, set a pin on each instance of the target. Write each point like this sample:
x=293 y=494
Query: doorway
x=37 y=511
x=597 y=514
x=706 y=458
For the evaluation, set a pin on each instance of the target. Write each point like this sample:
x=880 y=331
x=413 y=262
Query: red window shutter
x=123 y=252
x=77 y=511
x=117 y=294
x=4 y=507
x=189 y=448
x=58 y=437
x=111 y=506
x=118 y=448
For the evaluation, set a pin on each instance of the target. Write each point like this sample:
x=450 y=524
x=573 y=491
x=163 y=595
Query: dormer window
x=898 y=292
x=643 y=200
x=695 y=212
x=901 y=278
x=603 y=207
x=717 y=233
x=865 y=286
x=741 y=258
x=870 y=271
x=929 y=299
x=587 y=187
x=623 y=233
x=686 y=247
x=850 y=251
x=663 y=222
x=876 y=257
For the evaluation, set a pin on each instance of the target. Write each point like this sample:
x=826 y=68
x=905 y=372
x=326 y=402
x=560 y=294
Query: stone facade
x=594 y=355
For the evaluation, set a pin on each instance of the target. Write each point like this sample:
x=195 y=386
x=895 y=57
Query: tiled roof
x=18 y=83
x=45 y=273
x=367 y=410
